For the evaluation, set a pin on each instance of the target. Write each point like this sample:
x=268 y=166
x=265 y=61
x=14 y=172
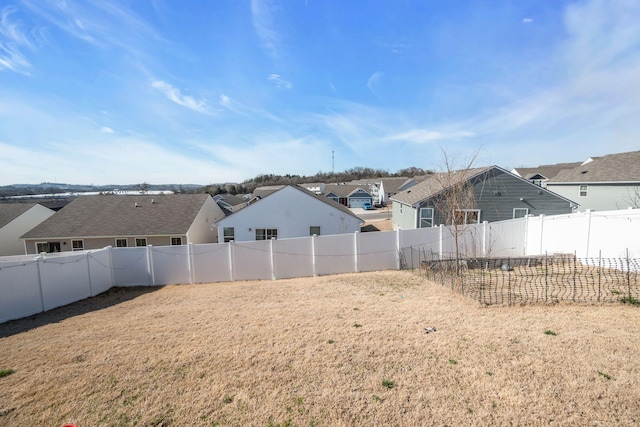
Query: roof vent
x=151 y=201
x=135 y=204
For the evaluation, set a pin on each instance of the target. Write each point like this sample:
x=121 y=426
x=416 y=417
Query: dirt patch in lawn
x=335 y=350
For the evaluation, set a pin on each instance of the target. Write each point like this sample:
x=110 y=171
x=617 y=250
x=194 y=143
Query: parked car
x=367 y=206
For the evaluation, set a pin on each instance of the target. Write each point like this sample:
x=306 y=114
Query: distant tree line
x=352 y=174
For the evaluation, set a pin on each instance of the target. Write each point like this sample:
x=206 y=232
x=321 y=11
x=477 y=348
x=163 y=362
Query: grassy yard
x=345 y=350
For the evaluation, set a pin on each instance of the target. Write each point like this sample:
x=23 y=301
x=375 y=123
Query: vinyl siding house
x=93 y=222
x=351 y=196
x=602 y=183
x=539 y=175
x=15 y=220
x=287 y=212
x=496 y=195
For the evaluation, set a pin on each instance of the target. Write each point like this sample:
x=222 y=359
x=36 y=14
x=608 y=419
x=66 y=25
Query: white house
x=287 y=212
x=15 y=220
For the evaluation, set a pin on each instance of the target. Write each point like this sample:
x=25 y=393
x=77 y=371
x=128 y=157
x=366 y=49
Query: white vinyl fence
x=31 y=285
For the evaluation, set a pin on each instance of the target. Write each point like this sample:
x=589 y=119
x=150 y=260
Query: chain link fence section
x=532 y=280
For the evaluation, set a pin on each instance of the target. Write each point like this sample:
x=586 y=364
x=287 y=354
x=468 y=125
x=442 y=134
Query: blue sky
x=194 y=91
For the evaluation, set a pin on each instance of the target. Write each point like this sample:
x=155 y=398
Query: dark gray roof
x=620 y=167
x=113 y=215
x=11 y=211
x=433 y=185
x=547 y=171
x=344 y=190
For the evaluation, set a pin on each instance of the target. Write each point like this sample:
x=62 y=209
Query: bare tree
x=455 y=199
x=632 y=198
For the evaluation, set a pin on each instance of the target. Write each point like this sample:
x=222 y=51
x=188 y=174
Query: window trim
x=583 y=188
x=311 y=231
x=42 y=243
x=122 y=239
x=466 y=212
x=228 y=237
x=138 y=239
x=420 y=217
x=268 y=233
x=526 y=212
x=178 y=238
x=77 y=249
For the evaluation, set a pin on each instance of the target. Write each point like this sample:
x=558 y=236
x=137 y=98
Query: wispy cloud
x=12 y=38
x=373 y=82
x=423 y=136
x=106 y=129
x=527 y=21
x=263 y=16
x=280 y=82
x=184 y=100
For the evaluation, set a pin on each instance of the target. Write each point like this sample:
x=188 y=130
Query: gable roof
x=116 y=215
x=343 y=190
x=546 y=171
x=275 y=188
x=620 y=167
x=431 y=186
x=11 y=211
x=395 y=184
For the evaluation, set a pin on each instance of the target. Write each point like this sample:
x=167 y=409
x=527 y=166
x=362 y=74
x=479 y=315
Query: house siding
x=201 y=230
x=404 y=217
x=600 y=197
x=291 y=212
x=10 y=242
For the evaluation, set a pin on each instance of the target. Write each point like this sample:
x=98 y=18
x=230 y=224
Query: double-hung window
x=229 y=234
x=77 y=245
x=426 y=217
x=121 y=243
x=176 y=241
x=141 y=241
x=520 y=212
x=266 y=233
x=583 y=191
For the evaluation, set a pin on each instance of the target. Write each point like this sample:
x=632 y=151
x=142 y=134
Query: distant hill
x=53 y=188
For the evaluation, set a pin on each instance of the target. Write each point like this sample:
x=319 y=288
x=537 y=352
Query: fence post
x=599 y=274
x=546 y=276
x=588 y=231
x=113 y=280
x=150 y=265
x=273 y=260
x=40 y=283
x=441 y=228
x=398 y=265
x=355 y=251
x=191 y=263
x=575 y=272
x=509 y=278
x=89 y=273
x=541 y=234
x=484 y=238
x=232 y=272
x=629 y=276
x=313 y=255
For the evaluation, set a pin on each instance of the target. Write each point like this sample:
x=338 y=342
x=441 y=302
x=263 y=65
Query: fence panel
x=64 y=279
x=100 y=271
x=335 y=254
x=211 y=263
x=293 y=257
x=377 y=251
x=130 y=267
x=170 y=264
x=615 y=232
x=506 y=238
x=19 y=289
x=565 y=234
x=252 y=260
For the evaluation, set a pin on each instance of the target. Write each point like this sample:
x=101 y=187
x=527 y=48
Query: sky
x=202 y=92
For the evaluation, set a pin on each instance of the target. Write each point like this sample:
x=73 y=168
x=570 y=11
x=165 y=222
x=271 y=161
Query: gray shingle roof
x=547 y=171
x=113 y=215
x=432 y=186
x=11 y=211
x=620 y=167
x=344 y=190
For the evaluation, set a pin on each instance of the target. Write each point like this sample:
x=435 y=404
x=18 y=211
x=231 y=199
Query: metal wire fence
x=532 y=280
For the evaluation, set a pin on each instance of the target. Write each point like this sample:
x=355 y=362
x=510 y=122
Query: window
x=176 y=241
x=426 y=217
x=520 y=212
x=583 y=191
x=467 y=216
x=141 y=241
x=266 y=233
x=229 y=234
x=77 y=245
x=314 y=230
x=48 y=247
x=121 y=243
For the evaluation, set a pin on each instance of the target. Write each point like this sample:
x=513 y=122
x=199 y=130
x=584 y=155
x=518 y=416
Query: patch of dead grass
x=286 y=352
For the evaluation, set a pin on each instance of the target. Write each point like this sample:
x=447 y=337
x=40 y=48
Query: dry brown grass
x=316 y=351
